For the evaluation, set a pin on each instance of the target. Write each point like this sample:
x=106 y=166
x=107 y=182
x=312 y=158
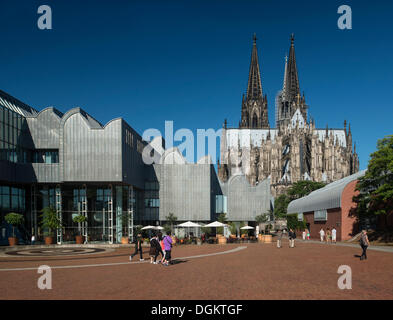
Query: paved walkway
x=259 y=271
x=352 y=245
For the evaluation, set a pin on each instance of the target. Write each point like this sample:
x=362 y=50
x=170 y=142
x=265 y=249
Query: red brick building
x=329 y=207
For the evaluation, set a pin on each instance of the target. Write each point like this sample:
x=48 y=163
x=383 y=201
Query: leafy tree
x=293 y=223
x=171 y=218
x=281 y=205
x=302 y=188
x=14 y=219
x=232 y=228
x=376 y=186
x=167 y=228
x=223 y=219
x=50 y=220
x=80 y=218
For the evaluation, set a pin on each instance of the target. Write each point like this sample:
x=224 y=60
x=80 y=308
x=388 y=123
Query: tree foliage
x=50 y=220
x=14 y=219
x=376 y=186
x=171 y=218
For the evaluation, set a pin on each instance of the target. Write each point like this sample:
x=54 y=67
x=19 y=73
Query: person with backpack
x=138 y=247
x=168 y=249
x=292 y=237
x=364 y=243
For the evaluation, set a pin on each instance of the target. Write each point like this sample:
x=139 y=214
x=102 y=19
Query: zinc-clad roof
x=15 y=105
x=327 y=197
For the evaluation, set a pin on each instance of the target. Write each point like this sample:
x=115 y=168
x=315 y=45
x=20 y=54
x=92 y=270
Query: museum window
x=46 y=156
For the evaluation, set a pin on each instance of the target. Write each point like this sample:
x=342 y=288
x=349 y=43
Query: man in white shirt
x=322 y=234
x=334 y=234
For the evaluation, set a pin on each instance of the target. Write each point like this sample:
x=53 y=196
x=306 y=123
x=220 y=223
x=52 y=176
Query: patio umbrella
x=247 y=228
x=159 y=228
x=215 y=224
x=148 y=227
x=189 y=224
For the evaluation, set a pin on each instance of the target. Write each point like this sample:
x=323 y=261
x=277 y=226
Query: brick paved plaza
x=258 y=271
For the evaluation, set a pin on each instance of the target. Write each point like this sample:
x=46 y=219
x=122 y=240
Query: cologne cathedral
x=294 y=150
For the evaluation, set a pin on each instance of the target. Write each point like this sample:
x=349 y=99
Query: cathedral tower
x=254 y=104
x=289 y=99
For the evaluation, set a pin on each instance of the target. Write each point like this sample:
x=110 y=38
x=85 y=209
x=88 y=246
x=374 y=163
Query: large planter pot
x=13 y=241
x=124 y=240
x=268 y=238
x=48 y=240
x=261 y=238
x=222 y=240
x=79 y=239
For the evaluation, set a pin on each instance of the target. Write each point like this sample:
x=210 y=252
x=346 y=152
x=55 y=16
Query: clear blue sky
x=187 y=61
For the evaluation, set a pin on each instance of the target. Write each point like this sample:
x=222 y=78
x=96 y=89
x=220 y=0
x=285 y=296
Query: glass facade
x=13 y=133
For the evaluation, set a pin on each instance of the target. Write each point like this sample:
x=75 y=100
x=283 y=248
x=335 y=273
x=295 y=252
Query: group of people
x=159 y=245
x=330 y=236
x=291 y=237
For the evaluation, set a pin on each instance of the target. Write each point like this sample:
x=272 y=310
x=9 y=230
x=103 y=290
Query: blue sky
x=187 y=61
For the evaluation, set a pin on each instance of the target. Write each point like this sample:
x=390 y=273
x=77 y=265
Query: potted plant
x=14 y=219
x=50 y=222
x=125 y=220
x=79 y=219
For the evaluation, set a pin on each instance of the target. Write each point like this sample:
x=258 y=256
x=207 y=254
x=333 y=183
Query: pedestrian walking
x=322 y=234
x=334 y=235
x=364 y=243
x=33 y=240
x=138 y=247
x=168 y=249
x=292 y=236
x=304 y=235
x=308 y=234
x=155 y=249
x=279 y=238
x=328 y=235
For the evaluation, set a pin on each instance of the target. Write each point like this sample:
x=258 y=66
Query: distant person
x=364 y=243
x=334 y=235
x=322 y=234
x=168 y=249
x=308 y=234
x=33 y=240
x=304 y=235
x=328 y=235
x=292 y=237
x=279 y=238
x=138 y=247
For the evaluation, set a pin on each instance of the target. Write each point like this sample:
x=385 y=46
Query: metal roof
x=16 y=105
x=325 y=198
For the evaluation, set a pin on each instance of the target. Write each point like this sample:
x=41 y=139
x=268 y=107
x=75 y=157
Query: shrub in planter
x=50 y=222
x=14 y=219
x=79 y=219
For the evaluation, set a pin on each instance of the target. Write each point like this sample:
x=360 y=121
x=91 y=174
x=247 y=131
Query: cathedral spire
x=292 y=88
x=254 y=88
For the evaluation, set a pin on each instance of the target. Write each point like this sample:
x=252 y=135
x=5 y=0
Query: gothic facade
x=294 y=150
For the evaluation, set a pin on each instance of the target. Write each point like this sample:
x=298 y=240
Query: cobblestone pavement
x=259 y=271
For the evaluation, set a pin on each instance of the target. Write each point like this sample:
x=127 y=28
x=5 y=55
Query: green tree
x=14 y=219
x=223 y=219
x=80 y=218
x=232 y=228
x=302 y=188
x=50 y=220
x=376 y=186
x=280 y=206
x=171 y=218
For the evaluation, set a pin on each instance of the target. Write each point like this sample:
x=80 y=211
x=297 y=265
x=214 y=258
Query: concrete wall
x=185 y=191
x=244 y=201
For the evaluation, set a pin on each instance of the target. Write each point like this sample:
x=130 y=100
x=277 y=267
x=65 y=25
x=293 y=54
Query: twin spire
x=254 y=88
x=291 y=87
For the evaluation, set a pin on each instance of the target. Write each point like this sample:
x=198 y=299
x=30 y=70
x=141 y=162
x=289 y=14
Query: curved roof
x=325 y=198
